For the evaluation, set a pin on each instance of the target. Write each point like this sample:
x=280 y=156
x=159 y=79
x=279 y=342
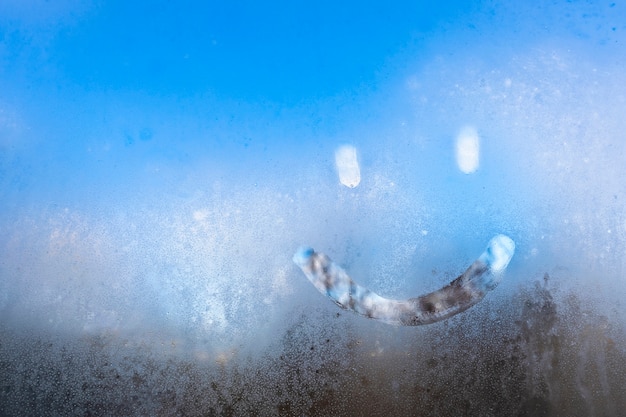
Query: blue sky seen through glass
x=160 y=137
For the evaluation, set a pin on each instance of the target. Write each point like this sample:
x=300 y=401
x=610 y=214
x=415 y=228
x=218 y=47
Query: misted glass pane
x=312 y=209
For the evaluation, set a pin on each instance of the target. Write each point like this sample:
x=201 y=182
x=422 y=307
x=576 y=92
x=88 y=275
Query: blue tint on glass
x=160 y=162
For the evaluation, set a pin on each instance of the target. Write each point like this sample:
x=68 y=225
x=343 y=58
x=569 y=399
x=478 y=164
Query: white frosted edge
x=302 y=255
x=499 y=252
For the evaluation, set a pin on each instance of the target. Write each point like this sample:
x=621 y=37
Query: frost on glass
x=146 y=243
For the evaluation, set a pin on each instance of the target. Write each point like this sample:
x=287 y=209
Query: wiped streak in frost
x=462 y=293
x=347 y=166
x=468 y=150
